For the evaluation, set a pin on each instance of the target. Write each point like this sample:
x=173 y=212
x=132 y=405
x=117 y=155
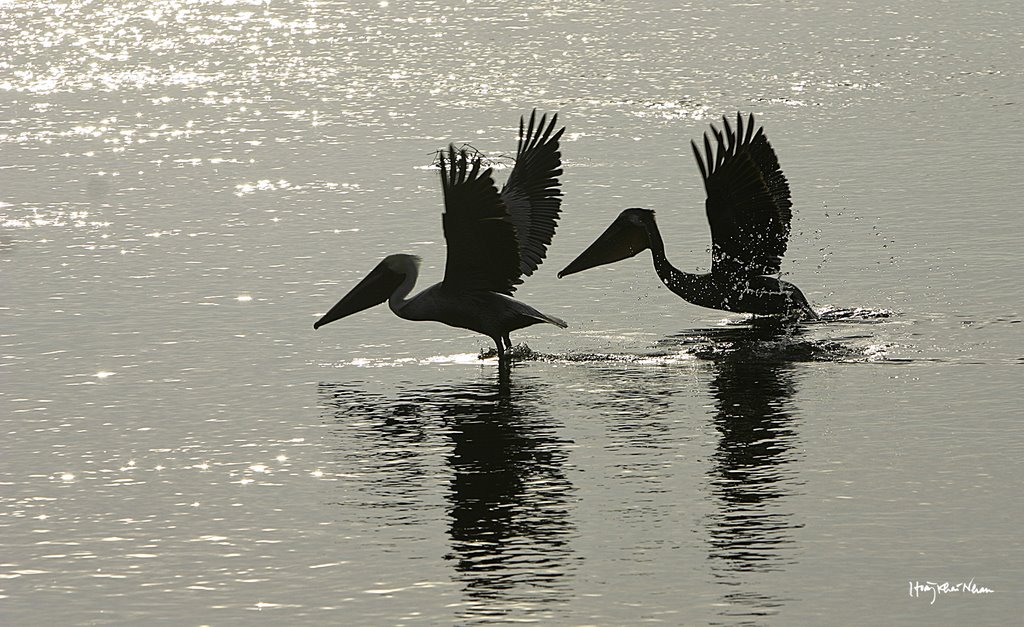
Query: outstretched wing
x=748 y=203
x=532 y=193
x=483 y=253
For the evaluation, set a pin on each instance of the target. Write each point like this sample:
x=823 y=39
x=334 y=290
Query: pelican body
x=748 y=207
x=494 y=239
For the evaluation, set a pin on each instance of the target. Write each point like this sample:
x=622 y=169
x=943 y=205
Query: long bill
x=621 y=240
x=375 y=288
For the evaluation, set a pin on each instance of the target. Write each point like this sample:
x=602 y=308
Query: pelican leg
x=504 y=346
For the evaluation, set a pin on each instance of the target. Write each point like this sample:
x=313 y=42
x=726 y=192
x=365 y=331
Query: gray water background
x=186 y=186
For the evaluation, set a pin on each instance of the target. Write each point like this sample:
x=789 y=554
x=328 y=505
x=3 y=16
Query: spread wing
x=532 y=193
x=748 y=203
x=483 y=253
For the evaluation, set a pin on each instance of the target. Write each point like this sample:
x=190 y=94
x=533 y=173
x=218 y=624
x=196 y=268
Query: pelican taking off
x=748 y=207
x=494 y=239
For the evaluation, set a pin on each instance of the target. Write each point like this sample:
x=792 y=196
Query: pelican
x=494 y=239
x=748 y=207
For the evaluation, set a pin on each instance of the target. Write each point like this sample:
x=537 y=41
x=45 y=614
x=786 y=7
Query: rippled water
x=186 y=185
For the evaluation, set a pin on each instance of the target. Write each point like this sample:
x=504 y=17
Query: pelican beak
x=623 y=239
x=373 y=290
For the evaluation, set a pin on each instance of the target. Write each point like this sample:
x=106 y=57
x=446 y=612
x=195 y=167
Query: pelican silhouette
x=494 y=239
x=748 y=208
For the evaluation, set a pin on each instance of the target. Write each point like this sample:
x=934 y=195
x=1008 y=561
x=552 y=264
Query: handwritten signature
x=917 y=587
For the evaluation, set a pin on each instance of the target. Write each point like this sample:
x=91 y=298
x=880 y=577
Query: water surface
x=185 y=186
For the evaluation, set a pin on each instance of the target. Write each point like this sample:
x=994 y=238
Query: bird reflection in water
x=507 y=492
x=751 y=532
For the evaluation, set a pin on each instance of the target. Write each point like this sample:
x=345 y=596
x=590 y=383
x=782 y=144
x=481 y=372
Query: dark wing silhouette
x=748 y=203
x=532 y=193
x=483 y=253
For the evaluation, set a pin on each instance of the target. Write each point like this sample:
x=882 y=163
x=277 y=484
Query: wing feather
x=483 y=253
x=748 y=200
x=532 y=193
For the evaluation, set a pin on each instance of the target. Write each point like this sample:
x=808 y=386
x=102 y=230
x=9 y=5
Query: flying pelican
x=748 y=207
x=494 y=239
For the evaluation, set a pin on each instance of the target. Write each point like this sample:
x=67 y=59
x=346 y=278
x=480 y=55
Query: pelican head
x=375 y=288
x=627 y=236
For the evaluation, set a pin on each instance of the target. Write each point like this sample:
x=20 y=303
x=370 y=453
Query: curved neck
x=687 y=285
x=397 y=301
